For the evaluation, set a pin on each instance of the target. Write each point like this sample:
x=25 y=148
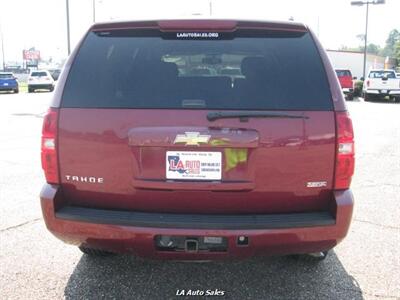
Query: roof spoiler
x=201 y=25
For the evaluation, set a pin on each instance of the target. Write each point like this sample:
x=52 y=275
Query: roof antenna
x=210 y=7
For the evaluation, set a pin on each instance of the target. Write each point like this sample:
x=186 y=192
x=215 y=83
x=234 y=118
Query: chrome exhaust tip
x=317 y=254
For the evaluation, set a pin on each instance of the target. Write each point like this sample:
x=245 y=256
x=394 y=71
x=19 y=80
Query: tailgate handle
x=213 y=186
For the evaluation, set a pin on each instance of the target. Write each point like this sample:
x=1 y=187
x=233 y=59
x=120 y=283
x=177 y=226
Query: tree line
x=391 y=48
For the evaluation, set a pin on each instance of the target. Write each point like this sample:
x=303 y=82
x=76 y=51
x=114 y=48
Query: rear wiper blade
x=215 y=115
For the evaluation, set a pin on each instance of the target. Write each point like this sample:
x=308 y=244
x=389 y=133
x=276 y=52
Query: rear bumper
x=136 y=232
x=41 y=86
x=347 y=90
x=8 y=87
x=383 y=92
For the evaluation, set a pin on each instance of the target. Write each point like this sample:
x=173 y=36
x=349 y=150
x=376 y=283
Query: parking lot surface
x=35 y=265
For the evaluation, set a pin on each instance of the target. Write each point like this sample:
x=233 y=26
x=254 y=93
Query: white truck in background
x=381 y=83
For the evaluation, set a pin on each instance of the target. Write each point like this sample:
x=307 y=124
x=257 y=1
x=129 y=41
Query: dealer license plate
x=193 y=165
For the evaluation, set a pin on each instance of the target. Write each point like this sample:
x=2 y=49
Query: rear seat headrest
x=169 y=69
x=253 y=66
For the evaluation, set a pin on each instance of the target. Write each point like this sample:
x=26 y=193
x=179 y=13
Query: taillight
x=367 y=83
x=344 y=152
x=49 y=146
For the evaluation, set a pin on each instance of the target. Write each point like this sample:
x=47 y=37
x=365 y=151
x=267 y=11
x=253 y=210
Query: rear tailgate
x=345 y=78
x=266 y=163
x=381 y=84
x=383 y=80
x=134 y=132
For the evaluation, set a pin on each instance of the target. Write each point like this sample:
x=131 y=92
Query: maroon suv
x=144 y=153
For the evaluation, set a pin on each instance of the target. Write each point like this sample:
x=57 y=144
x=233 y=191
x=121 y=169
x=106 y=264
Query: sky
x=42 y=23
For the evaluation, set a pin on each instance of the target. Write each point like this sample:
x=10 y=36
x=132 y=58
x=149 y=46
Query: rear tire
x=371 y=97
x=16 y=91
x=350 y=97
x=95 y=252
x=30 y=90
x=365 y=96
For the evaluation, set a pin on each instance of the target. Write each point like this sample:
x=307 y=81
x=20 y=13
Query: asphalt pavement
x=35 y=265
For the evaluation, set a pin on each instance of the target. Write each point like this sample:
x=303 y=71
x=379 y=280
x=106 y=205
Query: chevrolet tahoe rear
x=145 y=154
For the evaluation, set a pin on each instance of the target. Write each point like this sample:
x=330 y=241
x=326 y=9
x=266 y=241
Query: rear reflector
x=345 y=151
x=49 y=146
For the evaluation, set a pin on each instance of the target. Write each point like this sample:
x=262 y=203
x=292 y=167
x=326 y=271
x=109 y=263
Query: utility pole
x=94 y=11
x=2 y=48
x=68 y=35
x=361 y=3
x=365 y=42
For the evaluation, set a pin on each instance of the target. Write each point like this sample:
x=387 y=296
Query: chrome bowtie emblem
x=192 y=138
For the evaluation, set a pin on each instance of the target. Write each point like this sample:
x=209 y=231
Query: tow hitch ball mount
x=191 y=245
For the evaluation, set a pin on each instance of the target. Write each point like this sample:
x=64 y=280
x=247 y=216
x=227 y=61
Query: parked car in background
x=143 y=156
x=40 y=80
x=380 y=84
x=346 y=82
x=8 y=82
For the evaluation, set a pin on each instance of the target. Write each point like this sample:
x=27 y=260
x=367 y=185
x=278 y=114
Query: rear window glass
x=381 y=74
x=343 y=73
x=246 y=70
x=6 y=76
x=37 y=74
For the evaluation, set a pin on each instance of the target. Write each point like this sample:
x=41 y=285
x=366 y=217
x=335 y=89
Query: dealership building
x=353 y=60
